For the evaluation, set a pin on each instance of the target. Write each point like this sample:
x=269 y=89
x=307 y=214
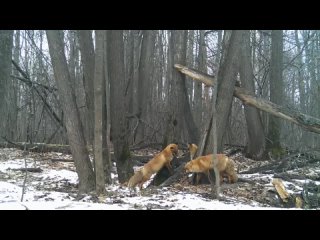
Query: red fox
x=192 y=149
x=153 y=166
x=225 y=165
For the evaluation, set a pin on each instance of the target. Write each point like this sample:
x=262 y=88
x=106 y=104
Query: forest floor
x=54 y=186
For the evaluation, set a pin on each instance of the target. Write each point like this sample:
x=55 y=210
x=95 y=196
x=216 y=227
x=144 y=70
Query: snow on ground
x=56 y=188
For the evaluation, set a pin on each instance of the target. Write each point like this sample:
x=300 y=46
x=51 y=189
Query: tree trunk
x=88 y=60
x=119 y=123
x=169 y=87
x=182 y=111
x=276 y=88
x=301 y=83
x=190 y=62
x=107 y=162
x=100 y=113
x=16 y=86
x=145 y=67
x=198 y=108
x=130 y=68
x=6 y=40
x=202 y=58
x=226 y=82
x=256 y=144
x=72 y=116
x=314 y=89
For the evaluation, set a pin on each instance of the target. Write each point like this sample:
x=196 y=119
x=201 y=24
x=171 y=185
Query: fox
x=192 y=149
x=225 y=165
x=153 y=166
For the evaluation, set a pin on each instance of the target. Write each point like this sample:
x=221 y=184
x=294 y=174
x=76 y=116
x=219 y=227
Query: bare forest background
x=121 y=89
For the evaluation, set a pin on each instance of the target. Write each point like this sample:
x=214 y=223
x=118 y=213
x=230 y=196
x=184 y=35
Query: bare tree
x=100 y=113
x=88 y=60
x=119 y=122
x=226 y=81
x=72 y=116
x=226 y=84
x=276 y=88
x=144 y=82
x=198 y=108
x=179 y=103
x=256 y=144
x=191 y=62
x=6 y=40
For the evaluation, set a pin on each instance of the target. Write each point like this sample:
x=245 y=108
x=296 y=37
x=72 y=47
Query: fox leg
x=221 y=178
x=168 y=165
x=198 y=176
x=209 y=176
x=144 y=179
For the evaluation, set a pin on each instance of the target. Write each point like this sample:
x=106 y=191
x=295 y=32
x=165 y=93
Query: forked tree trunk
x=72 y=116
x=226 y=82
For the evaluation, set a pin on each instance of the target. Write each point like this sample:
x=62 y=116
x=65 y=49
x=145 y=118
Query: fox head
x=173 y=148
x=191 y=167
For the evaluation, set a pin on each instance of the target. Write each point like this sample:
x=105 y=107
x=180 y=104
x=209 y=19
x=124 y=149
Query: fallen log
x=307 y=122
x=37 y=147
x=27 y=169
x=288 y=200
x=165 y=178
x=60 y=160
x=290 y=162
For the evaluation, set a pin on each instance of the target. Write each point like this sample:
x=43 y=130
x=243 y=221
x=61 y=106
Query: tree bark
x=143 y=90
x=119 y=123
x=107 y=162
x=6 y=40
x=88 y=62
x=256 y=137
x=100 y=113
x=182 y=111
x=198 y=107
x=226 y=82
x=72 y=116
x=276 y=88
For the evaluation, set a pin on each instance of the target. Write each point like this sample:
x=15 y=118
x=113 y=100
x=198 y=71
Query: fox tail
x=135 y=179
x=233 y=177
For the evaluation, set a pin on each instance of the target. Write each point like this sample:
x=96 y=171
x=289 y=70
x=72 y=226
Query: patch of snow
x=59 y=175
x=55 y=188
x=9 y=192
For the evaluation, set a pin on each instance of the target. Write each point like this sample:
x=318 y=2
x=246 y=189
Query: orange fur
x=153 y=166
x=225 y=165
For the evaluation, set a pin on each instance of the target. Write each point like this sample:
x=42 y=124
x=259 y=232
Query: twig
x=25 y=176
